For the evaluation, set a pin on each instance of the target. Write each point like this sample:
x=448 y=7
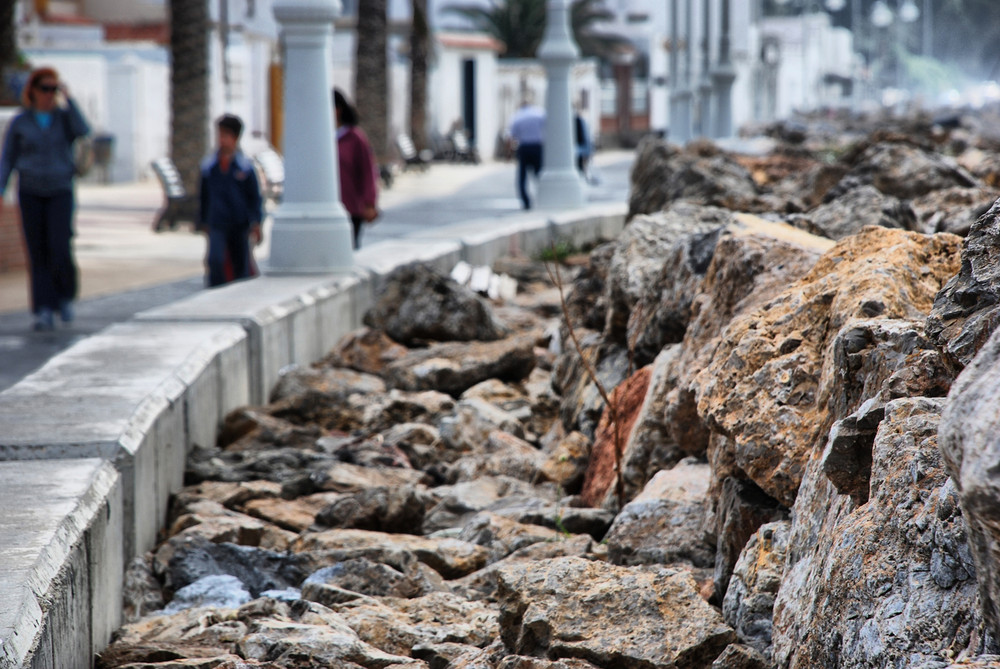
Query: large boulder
x=906 y=171
x=967 y=310
x=663 y=524
x=455 y=367
x=952 y=210
x=855 y=209
x=655 y=272
x=449 y=557
x=770 y=369
x=608 y=615
x=663 y=174
x=753 y=261
x=891 y=582
x=749 y=600
x=970 y=444
x=417 y=304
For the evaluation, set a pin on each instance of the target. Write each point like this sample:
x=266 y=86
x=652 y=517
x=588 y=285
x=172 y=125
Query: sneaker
x=43 y=320
x=66 y=312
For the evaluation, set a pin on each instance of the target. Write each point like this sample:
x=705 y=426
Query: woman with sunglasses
x=39 y=147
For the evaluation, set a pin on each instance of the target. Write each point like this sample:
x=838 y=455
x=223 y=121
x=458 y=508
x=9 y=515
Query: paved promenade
x=125 y=267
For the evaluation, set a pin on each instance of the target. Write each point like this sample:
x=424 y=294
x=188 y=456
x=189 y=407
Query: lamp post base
x=561 y=189
x=313 y=244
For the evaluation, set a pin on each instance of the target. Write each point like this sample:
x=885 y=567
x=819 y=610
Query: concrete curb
x=114 y=417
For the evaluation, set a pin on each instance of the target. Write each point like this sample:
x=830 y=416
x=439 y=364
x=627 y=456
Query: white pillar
x=312 y=232
x=559 y=186
x=723 y=77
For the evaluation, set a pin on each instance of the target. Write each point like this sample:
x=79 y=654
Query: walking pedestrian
x=231 y=206
x=527 y=130
x=358 y=171
x=39 y=147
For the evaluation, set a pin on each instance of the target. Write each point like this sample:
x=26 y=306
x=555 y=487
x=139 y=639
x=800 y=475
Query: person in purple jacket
x=358 y=171
x=39 y=147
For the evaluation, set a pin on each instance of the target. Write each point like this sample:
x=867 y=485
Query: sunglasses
x=47 y=89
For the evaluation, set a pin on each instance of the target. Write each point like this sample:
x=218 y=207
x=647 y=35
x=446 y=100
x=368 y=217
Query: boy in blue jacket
x=231 y=207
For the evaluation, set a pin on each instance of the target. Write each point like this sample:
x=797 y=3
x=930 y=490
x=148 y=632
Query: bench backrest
x=169 y=178
x=272 y=165
x=405 y=145
x=461 y=141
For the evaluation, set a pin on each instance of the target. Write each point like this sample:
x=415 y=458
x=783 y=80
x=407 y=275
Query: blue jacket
x=230 y=200
x=43 y=157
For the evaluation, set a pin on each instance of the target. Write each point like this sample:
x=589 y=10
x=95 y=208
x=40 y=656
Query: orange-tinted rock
x=610 y=440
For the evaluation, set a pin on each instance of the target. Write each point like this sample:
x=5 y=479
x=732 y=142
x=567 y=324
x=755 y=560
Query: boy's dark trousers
x=230 y=243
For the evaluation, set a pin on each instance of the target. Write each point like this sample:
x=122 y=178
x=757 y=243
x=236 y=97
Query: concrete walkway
x=125 y=267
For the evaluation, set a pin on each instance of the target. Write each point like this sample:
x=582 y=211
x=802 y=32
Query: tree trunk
x=419 y=48
x=370 y=77
x=188 y=88
x=8 y=51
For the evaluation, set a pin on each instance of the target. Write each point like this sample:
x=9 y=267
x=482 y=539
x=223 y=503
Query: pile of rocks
x=449 y=488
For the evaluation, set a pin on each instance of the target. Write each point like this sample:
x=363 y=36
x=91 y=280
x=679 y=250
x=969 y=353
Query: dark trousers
x=47 y=221
x=356 y=223
x=529 y=156
x=232 y=244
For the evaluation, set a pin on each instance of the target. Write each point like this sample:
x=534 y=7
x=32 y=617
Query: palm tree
x=520 y=25
x=370 y=75
x=188 y=88
x=9 y=57
x=419 y=47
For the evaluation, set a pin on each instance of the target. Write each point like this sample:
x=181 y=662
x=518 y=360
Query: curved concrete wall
x=93 y=444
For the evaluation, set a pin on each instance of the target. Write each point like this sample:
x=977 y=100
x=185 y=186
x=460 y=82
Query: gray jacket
x=43 y=157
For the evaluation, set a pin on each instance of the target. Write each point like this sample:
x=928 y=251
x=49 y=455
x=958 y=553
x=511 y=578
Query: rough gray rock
x=455 y=367
x=655 y=272
x=906 y=171
x=967 y=310
x=382 y=508
x=663 y=524
x=749 y=601
x=257 y=569
x=738 y=656
x=468 y=428
x=952 y=210
x=334 y=384
x=608 y=615
x=663 y=174
x=858 y=207
x=888 y=583
x=417 y=304
x=741 y=508
x=969 y=431
x=362 y=576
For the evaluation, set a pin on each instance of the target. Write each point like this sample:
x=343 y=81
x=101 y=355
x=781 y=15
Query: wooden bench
x=178 y=204
x=408 y=152
x=464 y=152
x=271 y=172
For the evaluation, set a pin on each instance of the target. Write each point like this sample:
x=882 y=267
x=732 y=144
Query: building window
x=640 y=96
x=609 y=98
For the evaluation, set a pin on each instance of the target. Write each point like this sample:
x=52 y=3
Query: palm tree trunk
x=8 y=50
x=370 y=77
x=419 y=47
x=188 y=88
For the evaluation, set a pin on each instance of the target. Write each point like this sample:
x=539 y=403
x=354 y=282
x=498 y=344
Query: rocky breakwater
x=449 y=488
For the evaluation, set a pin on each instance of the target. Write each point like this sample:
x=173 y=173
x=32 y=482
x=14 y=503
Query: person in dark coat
x=39 y=147
x=358 y=170
x=231 y=206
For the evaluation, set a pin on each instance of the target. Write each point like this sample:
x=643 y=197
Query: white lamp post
x=559 y=185
x=312 y=232
x=723 y=77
